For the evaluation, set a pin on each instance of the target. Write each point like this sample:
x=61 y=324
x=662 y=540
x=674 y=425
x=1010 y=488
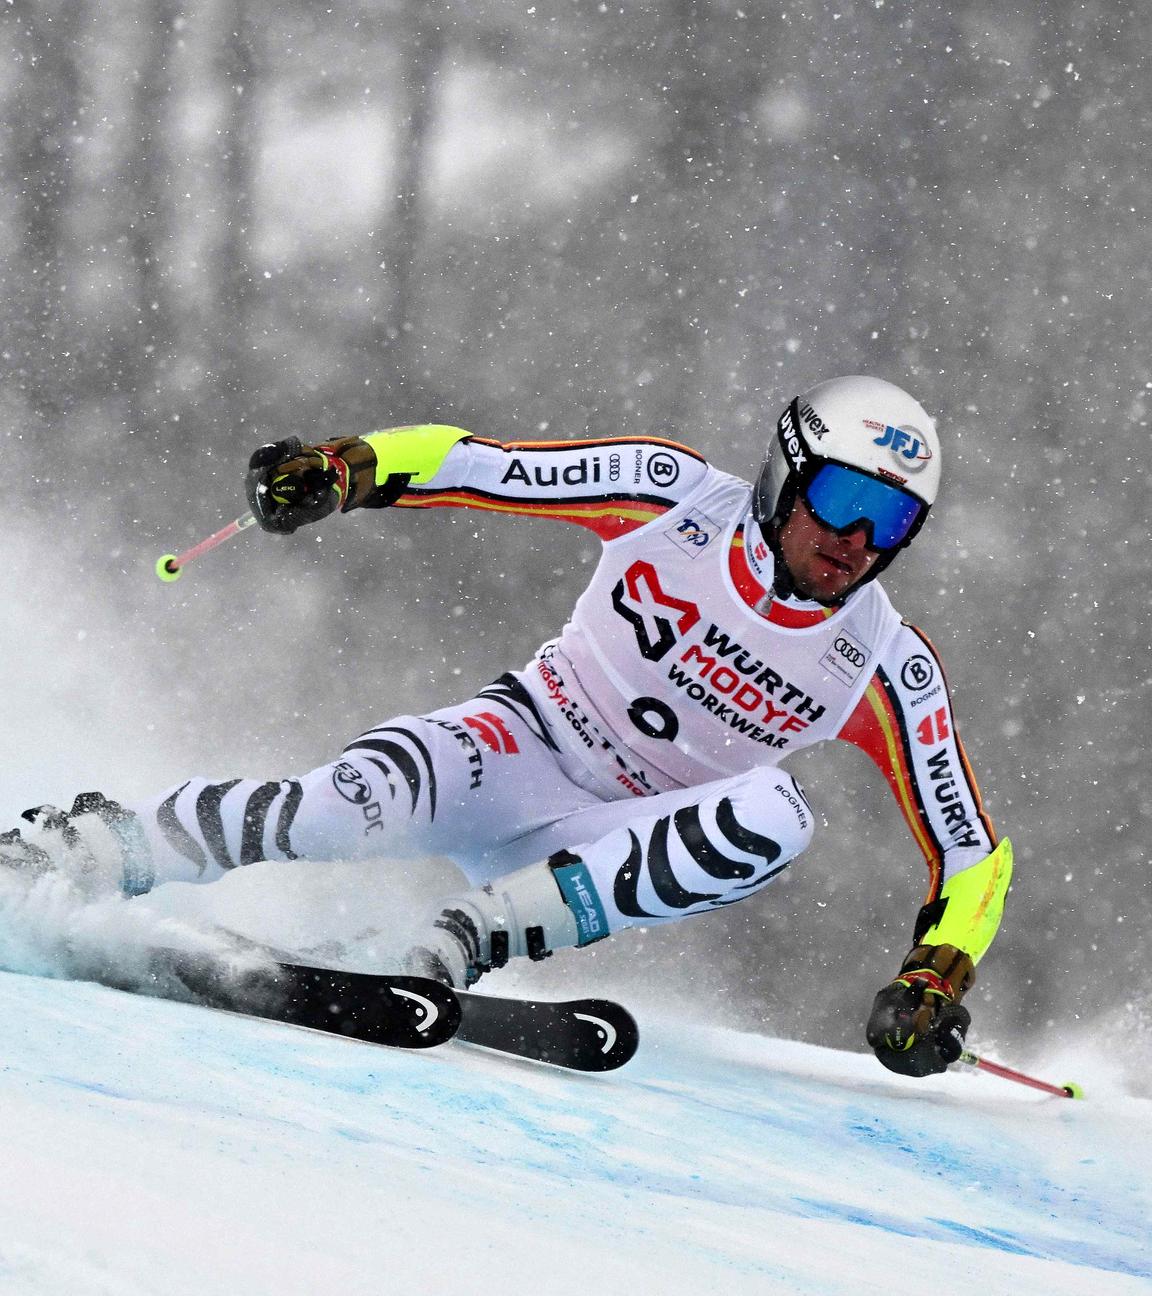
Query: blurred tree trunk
x=395 y=339
x=711 y=68
x=918 y=166
x=1058 y=167
x=231 y=341
x=683 y=158
x=147 y=346
x=40 y=341
x=687 y=162
x=1055 y=229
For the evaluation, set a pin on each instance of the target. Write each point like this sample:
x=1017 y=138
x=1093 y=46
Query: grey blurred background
x=226 y=221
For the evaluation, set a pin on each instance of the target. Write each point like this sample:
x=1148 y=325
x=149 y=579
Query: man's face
x=824 y=565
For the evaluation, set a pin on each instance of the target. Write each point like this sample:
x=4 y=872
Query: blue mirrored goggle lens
x=841 y=498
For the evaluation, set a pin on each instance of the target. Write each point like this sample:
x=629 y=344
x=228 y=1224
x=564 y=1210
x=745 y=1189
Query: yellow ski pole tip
x=1072 y=1089
x=166 y=568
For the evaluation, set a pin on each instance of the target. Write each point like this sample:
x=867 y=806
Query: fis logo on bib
x=693 y=534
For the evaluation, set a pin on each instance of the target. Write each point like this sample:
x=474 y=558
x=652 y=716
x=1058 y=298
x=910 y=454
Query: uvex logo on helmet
x=813 y=421
x=790 y=439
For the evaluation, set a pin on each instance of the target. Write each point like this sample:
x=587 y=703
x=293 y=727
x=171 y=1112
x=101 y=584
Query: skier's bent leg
x=379 y=797
x=455 y=782
x=691 y=852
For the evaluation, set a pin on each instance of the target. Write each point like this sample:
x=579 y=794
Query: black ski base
x=402 y=1011
x=408 y=1012
x=580 y=1034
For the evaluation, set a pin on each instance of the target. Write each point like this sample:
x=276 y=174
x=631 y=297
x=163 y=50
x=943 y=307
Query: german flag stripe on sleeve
x=607 y=517
x=877 y=728
x=904 y=722
x=611 y=486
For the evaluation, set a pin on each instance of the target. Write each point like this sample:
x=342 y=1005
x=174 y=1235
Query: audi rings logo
x=848 y=650
x=351 y=784
x=845 y=659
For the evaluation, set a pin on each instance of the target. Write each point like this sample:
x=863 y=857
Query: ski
x=409 y=1012
x=402 y=1011
x=580 y=1034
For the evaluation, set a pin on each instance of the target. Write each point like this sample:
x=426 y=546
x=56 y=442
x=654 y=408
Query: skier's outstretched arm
x=904 y=722
x=609 y=485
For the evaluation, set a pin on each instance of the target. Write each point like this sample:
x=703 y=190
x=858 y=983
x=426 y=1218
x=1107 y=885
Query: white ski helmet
x=858 y=450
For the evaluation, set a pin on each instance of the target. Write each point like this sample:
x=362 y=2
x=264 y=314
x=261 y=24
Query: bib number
x=654 y=719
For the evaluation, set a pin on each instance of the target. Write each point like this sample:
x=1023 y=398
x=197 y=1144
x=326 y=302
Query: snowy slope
x=151 y=1147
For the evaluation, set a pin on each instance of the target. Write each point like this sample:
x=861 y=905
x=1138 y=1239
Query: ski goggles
x=843 y=499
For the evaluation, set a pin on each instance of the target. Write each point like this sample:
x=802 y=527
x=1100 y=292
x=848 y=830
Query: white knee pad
x=771 y=801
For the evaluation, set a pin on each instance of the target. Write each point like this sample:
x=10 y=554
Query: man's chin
x=827 y=592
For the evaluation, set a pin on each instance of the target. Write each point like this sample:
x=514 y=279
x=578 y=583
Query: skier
x=630 y=773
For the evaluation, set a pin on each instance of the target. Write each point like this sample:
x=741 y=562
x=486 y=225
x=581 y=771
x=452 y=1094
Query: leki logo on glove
x=639 y=599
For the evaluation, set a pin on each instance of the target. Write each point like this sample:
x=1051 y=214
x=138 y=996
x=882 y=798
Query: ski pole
x=169 y=567
x=1069 y=1090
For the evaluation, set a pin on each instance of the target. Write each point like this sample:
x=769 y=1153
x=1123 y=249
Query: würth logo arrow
x=639 y=599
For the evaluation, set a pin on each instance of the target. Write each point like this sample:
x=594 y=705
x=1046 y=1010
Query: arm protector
x=398 y=457
x=968 y=910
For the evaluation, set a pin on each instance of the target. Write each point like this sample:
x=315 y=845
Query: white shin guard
x=522 y=913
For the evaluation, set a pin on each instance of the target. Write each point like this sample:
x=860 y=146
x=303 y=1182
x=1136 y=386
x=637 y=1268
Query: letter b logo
x=917 y=673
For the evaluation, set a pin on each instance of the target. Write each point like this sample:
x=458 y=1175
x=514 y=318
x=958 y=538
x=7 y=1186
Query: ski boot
x=530 y=912
x=98 y=846
x=23 y=858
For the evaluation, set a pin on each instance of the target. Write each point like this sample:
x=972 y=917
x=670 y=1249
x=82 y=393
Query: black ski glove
x=290 y=484
x=917 y=1026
